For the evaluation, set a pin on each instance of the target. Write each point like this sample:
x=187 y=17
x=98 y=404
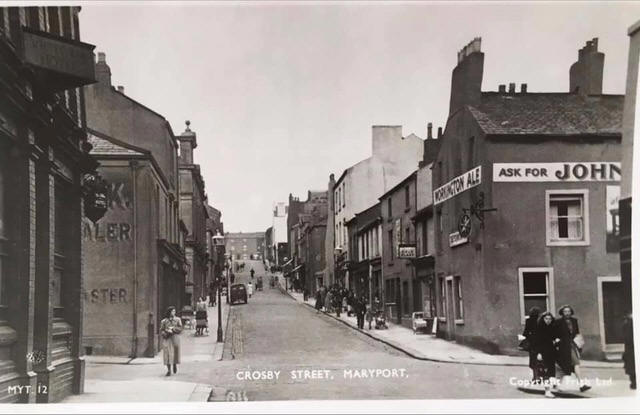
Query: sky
x=282 y=94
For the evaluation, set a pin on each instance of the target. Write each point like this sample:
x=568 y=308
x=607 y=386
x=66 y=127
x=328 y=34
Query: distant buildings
x=244 y=245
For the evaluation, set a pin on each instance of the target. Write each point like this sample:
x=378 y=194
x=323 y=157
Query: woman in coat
x=530 y=328
x=319 y=300
x=568 y=351
x=201 y=317
x=170 y=329
x=544 y=350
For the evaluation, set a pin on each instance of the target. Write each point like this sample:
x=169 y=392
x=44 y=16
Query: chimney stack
x=429 y=131
x=121 y=89
x=103 y=72
x=523 y=88
x=439 y=133
x=502 y=88
x=187 y=142
x=585 y=75
x=512 y=88
x=466 y=78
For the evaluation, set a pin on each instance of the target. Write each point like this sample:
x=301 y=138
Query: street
x=273 y=333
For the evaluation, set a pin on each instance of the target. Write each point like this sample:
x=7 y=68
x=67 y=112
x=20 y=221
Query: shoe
x=548 y=394
x=168 y=373
x=175 y=369
x=584 y=388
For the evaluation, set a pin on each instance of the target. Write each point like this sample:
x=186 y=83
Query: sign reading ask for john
x=591 y=171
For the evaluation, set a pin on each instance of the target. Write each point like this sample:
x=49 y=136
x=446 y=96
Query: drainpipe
x=134 y=168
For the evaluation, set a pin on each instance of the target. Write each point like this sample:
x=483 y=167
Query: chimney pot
x=121 y=89
x=512 y=88
x=502 y=88
x=102 y=57
x=523 y=88
x=429 y=131
x=439 y=132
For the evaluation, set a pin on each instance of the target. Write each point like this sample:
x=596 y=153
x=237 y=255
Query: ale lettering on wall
x=107 y=232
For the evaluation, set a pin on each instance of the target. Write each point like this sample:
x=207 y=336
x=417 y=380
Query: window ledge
x=459 y=322
x=442 y=319
x=568 y=243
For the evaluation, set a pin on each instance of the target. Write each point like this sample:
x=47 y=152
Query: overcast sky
x=283 y=94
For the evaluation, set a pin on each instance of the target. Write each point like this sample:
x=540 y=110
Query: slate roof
x=102 y=146
x=549 y=114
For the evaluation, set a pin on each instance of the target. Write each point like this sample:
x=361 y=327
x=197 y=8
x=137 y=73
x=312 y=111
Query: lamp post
x=218 y=241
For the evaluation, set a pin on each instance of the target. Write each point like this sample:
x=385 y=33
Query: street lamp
x=286 y=260
x=218 y=241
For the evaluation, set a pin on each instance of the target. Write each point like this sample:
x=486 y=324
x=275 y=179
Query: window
x=425 y=244
x=376 y=251
x=406 y=196
x=536 y=290
x=61 y=246
x=344 y=195
x=389 y=208
x=391 y=245
x=407 y=235
x=457 y=294
x=567 y=217
x=54 y=20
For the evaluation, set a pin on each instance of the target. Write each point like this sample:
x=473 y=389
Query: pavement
x=123 y=379
x=428 y=347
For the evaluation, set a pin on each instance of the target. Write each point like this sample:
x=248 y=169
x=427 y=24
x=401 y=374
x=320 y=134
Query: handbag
x=579 y=341
x=525 y=345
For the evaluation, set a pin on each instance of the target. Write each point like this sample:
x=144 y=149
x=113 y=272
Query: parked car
x=238 y=294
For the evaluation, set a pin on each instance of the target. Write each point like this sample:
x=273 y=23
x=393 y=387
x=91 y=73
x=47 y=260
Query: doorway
x=611 y=314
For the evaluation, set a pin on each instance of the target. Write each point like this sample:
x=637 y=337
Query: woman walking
x=319 y=300
x=529 y=333
x=569 y=342
x=544 y=351
x=170 y=328
x=201 y=317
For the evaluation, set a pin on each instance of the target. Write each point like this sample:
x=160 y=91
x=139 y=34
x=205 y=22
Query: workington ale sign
x=465 y=181
x=591 y=171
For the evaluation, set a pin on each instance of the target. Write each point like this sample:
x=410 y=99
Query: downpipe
x=134 y=168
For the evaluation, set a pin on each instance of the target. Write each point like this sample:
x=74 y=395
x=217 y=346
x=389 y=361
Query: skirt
x=201 y=319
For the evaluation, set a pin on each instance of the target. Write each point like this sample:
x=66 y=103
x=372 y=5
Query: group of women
x=554 y=341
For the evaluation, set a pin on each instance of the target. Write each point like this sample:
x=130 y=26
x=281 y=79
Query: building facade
x=402 y=293
x=365 y=234
x=244 y=245
x=44 y=163
x=279 y=236
x=134 y=257
x=523 y=189
x=193 y=212
x=358 y=188
x=216 y=254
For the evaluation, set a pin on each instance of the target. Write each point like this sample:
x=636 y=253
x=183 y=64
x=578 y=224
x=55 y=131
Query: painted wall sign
x=465 y=181
x=406 y=251
x=592 y=171
x=106 y=232
x=455 y=239
x=108 y=296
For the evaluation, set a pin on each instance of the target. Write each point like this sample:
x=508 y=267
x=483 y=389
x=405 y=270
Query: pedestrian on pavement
x=323 y=295
x=328 y=301
x=249 y=288
x=360 y=309
x=628 y=355
x=337 y=302
x=201 y=317
x=530 y=328
x=569 y=343
x=170 y=329
x=543 y=347
x=212 y=298
x=319 y=299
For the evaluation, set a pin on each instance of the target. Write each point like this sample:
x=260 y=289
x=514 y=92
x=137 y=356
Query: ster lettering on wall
x=108 y=296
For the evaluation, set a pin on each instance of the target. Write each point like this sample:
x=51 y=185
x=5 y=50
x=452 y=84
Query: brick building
x=194 y=214
x=134 y=258
x=215 y=268
x=44 y=157
x=549 y=163
x=244 y=245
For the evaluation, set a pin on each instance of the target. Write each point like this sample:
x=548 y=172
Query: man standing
x=360 y=308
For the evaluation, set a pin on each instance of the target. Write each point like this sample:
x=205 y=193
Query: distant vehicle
x=238 y=294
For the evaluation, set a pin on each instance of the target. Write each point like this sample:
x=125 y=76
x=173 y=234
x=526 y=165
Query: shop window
x=4 y=255
x=442 y=312
x=536 y=290
x=61 y=247
x=567 y=217
x=458 y=304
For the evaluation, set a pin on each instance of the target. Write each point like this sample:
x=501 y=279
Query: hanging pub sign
x=407 y=251
x=591 y=171
x=95 y=197
x=456 y=239
x=465 y=181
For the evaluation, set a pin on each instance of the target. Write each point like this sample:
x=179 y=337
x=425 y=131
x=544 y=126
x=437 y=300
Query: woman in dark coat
x=530 y=328
x=319 y=299
x=170 y=328
x=568 y=352
x=544 y=350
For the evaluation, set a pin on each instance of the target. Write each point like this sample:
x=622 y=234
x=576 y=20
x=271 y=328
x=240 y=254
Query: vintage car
x=238 y=294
